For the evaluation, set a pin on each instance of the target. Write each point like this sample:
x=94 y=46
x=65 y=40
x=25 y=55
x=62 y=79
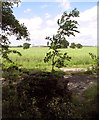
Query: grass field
x=32 y=58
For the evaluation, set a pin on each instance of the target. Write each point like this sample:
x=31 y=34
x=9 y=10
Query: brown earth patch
x=79 y=83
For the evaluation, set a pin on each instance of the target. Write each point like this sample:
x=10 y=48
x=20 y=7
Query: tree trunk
x=53 y=63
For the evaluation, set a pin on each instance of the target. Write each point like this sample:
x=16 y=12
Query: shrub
x=79 y=45
x=19 y=46
x=95 y=63
x=26 y=45
x=65 y=43
x=73 y=45
x=39 y=95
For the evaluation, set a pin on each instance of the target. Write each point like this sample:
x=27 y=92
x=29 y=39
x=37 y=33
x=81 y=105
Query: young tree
x=19 y=46
x=79 y=45
x=26 y=45
x=73 y=45
x=10 y=26
x=67 y=27
x=56 y=57
x=65 y=43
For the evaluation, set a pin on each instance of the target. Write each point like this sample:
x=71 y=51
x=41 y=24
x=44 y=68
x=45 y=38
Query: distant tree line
x=25 y=45
x=19 y=46
x=73 y=45
x=65 y=44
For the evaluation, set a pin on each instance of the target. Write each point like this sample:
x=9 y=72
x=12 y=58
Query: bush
x=65 y=44
x=19 y=46
x=40 y=95
x=26 y=45
x=73 y=45
x=95 y=63
x=79 y=45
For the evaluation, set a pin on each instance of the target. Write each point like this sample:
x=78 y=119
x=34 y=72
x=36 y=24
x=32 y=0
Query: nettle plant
x=95 y=61
x=67 y=27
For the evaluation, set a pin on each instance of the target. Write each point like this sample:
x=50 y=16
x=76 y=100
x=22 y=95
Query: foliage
x=10 y=26
x=38 y=95
x=26 y=45
x=67 y=27
x=55 y=55
x=6 y=51
x=95 y=64
x=65 y=43
x=19 y=46
x=73 y=45
x=44 y=95
x=95 y=59
x=59 y=61
x=79 y=45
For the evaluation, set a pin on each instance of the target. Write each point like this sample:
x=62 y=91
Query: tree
x=26 y=45
x=73 y=45
x=56 y=57
x=65 y=43
x=79 y=45
x=10 y=26
x=67 y=27
x=19 y=46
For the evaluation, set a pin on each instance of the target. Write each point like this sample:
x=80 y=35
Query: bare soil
x=72 y=70
x=79 y=83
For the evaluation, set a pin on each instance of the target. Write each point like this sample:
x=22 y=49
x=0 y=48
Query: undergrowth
x=37 y=94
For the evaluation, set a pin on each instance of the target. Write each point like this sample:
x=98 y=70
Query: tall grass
x=32 y=58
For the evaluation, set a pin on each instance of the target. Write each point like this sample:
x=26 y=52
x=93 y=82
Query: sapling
x=67 y=27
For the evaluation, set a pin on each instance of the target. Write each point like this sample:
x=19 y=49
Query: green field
x=32 y=58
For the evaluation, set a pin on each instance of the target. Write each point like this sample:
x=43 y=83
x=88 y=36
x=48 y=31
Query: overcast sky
x=41 y=21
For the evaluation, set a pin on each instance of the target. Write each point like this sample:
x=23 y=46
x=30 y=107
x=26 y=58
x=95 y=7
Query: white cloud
x=50 y=23
x=27 y=10
x=89 y=15
x=65 y=5
x=47 y=15
x=57 y=17
x=34 y=26
x=53 y=22
x=15 y=42
x=33 y=23
x=39 y=29
x=87 y=27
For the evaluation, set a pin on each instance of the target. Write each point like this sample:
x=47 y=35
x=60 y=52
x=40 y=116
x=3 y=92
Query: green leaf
x=47 y=43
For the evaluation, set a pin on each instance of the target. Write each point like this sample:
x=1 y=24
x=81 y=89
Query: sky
x=40 y=18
